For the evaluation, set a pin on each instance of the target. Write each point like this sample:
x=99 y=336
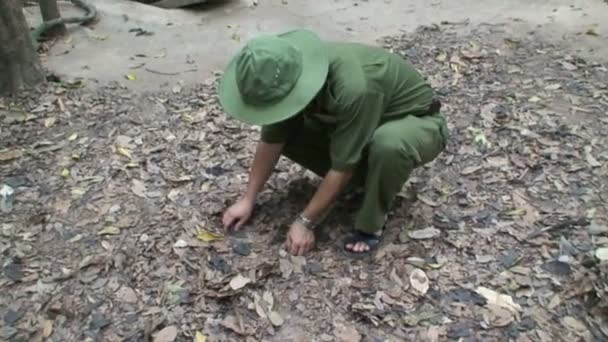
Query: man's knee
x=385 y=146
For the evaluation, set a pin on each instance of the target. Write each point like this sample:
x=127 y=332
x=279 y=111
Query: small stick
x=557 y=226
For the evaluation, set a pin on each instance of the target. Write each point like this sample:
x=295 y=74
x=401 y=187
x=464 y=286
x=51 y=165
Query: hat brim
x=315 y=63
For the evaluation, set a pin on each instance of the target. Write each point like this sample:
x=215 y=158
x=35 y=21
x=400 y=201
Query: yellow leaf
x=199 y=337
x=131 y=77
x=75 y=156
x=65 y=172
x=109 y=230
x=73 y=137
x=47 y=328
x=124 y=152
x=132 y=165
x=207 y=236
x=517 y=212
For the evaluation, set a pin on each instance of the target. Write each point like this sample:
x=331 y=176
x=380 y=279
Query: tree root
x=90 y=14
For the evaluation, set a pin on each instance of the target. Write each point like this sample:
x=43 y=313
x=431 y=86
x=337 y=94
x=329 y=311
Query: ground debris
x=116 y=218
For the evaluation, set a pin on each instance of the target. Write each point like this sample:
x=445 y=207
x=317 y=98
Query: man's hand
x=237 y=214
x=300 y=239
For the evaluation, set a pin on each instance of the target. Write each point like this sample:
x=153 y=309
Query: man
x=355 y=115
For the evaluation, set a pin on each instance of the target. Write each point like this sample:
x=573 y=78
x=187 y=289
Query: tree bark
x=50 y=11
x=19 y=62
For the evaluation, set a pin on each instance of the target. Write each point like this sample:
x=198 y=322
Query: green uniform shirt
x=366 y=86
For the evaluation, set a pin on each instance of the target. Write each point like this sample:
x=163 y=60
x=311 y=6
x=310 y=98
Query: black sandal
x=371 y=240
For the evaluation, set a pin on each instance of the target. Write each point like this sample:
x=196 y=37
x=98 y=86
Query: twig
x=558 y=226
x=169 y=73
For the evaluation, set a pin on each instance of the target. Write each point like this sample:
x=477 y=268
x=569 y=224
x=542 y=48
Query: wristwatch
x=306 y=222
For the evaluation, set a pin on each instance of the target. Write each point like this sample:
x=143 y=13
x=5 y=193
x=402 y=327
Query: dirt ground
x=113 y=233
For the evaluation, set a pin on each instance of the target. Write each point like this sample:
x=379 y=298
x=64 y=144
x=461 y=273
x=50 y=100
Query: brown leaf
x=47 y=328
x=167 y=334
x=139 y=188
x=6 y=155
x=346 y=333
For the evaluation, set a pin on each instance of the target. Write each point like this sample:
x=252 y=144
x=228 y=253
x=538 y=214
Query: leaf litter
x=494 y=237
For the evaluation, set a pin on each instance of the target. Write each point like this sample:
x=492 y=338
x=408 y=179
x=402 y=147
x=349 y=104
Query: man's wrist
x=306 y=222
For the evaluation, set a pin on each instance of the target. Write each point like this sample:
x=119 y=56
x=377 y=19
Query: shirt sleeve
x=357 y=121
x=279 y=132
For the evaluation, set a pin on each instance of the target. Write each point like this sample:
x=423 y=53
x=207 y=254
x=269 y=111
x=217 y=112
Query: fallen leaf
x=73 y=137
x=276 y=319
x=47 y=328
x=419 y=281
x=6 y=155
x=574 y=324
x=76 y=238
x=139 y=188
x=173 y=194
x=49 y=122
x=347 y=333
x=208 y=236
x=126 y=294
x=501 y=300
x=592 y=32
x=131 y=77
x=109 y=230
x=199 y=337
x=426 y=233
x=238 y=282
x=167 y=334
x=65 y=172
x=123 y=152
x=602 y=253
x=426 y=200
x=469 y=170
x=180 y=244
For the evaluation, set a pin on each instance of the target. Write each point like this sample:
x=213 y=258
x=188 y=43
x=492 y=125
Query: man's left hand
x=300 y=239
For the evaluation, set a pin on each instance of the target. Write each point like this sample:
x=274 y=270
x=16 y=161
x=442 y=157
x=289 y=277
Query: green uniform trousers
x=397 y=147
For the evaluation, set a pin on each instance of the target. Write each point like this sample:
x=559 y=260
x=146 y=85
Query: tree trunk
x=50 y=11
x=19 y=62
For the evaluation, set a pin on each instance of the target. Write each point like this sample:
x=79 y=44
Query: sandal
x=371 y=240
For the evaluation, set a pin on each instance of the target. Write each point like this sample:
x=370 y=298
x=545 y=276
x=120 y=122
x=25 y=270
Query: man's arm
x=266 y=157
x=331 y=186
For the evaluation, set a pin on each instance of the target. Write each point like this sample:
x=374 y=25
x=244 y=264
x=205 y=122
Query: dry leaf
x=123 y=152
x=419 y=281
x=469 y=170
x=574 y=324
x=426 y=233
x=276 y=319
x=238 y=282
x=180 y=244
x=199 y=337
x=347 y=334
x=501 y=300
x=208 y=236
x=109 y=230
x=602 y=253
x=47 y=328
x=426 y=200
x=167 y=334
x=73 y=137
x=6 y=155
x=49 y=122
x=65 y=172
x=139 y=188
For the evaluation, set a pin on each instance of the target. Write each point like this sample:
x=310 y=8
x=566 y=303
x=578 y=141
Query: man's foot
x=359 y=244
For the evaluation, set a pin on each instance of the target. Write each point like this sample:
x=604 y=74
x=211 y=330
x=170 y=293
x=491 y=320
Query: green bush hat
x=273 y=77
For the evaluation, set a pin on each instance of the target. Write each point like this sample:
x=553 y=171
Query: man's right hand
x=237 y=214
